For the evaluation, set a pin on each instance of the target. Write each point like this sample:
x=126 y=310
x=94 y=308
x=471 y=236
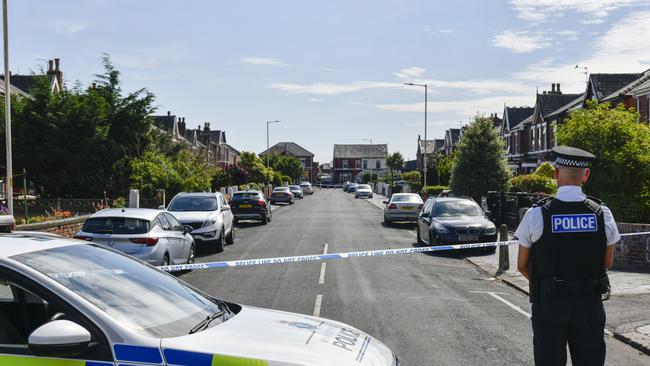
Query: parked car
x=345 y=186
x=281 y=194
x=454 y=220
x=352 y=187
x=364 y=190
x=296 y=191
x=306 y=188
x=402 y=207
x=153 y=236
x=209 y=216
x=250 y=205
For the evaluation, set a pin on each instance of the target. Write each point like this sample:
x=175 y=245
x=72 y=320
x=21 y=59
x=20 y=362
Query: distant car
x=250 y=205
x=446 y=193
x=364 y=190
x=208 y=214
x=281 y=194
x=306 y=188
x=454 y=220
x=153 y=236
x=345 y=186
x=402 y=207
x=297 y=191
x=352 y=187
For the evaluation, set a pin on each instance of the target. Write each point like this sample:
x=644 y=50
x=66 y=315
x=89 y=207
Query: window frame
x=162 y=220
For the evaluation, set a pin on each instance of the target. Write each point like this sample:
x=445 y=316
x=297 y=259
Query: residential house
x=512 y=131
x=496 y=122
x=452 y=136
x=220 y=153
x=291 y=148
x=641 y=94
x=431 y=147
x=22 y=84
x=169 y=124
x=541 y=130
x=610 y=87
x=410 y=166
x=627 y=95
x=352 y=160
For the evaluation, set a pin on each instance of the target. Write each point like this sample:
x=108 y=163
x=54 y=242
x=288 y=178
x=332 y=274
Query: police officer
x=566 y=246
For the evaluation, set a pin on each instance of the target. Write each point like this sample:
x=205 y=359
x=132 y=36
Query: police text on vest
x=574 y=223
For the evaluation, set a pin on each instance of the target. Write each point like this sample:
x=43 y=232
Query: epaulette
x=544 y=202
x=595 y=204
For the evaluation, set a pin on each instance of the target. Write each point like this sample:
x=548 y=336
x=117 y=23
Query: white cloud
x=315 y=100
x=266 y=61
x=333 y=88
x=410 y=72
x=521 y=41
x=462 y=108
x=596 y=10
x=69 y=27
x=427 y=29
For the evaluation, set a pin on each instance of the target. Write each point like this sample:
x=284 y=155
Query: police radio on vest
x=574 y=223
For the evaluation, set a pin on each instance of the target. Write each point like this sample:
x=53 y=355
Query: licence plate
x=468 y=237
x=407 y=207
x=245 y=206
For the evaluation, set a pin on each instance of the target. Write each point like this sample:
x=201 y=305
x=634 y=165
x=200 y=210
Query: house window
x=532 y=139
x=302 y=162
x=345 y=164
x=543 y=145
x=357 y=164
x=365 y=164
x=377 y=164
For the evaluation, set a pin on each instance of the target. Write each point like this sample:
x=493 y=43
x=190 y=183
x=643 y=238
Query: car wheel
x=218 y=248
x=370 y=196
x=265 y=220
x=417 y=234
x=386 y=221
x=230 y=239
x=165 y=260
x=291 y=202
x=190 y=257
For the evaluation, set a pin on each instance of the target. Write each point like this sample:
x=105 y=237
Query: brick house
x=352 y=160
x=22 y=84
x=611 y=88
x=291 y=148
x=452 y=136
x=641 y=94
x=514 y=134
x=431 y=147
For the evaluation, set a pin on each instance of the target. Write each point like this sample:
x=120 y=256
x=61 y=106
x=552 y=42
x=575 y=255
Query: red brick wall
x=65 y=227
x=643 y=108
x=633 y=253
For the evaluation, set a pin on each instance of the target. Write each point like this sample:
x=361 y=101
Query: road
x=430 y=309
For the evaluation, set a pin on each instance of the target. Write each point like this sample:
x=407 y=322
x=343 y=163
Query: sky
x=333 y=71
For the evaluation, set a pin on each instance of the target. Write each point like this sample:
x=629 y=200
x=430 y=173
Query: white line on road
x=513 y=306
x=319 y=300
x=325 y=246
x=321 y=278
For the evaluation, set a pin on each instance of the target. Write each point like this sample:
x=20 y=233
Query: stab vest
x=573 y=243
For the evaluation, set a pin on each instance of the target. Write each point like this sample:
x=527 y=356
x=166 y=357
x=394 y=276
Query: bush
x=253 y=186
x=546 y=170
x=533 y=183
x=119 y=202
x=414 y=180
x=433 y=190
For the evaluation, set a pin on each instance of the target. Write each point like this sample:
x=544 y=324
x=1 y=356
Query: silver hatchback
x=152 y=236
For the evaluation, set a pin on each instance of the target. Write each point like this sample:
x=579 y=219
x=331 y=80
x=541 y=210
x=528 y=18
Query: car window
x=222 y=201
x=364 y=186
x=427 y=206
x=175 y=224
x=164 y=224
x=456 y=208
x=294 y=187
x=140 y=298
x=116 y=225
x=246 y=196
x=406 y=198
x=280 y=189
x=194 y=203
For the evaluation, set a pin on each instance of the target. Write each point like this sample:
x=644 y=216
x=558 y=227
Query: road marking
x=513 y=306
x=319 y=301
x=321 y=278
x=325 y=246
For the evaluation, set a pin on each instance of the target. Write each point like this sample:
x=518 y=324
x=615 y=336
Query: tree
x=620 y=175
x=365 y=178
x=258 y=172
x=289 y=166
x=545 y=170
x=481 y=164
x=414 y=180
x=394 y=161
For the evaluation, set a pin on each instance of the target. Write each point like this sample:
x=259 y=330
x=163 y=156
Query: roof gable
x=290 y=148
x=361 y=151
x=602 y=85
x=513 y=116
x=548 y=103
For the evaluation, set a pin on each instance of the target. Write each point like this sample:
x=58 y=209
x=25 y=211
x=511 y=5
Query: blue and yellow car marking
x=185 y=358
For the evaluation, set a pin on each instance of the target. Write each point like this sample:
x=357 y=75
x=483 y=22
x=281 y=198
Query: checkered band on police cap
x=572 y=157
x=572 y=163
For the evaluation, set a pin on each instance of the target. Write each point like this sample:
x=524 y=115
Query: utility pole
x=426 y=103
x=10 y=180
x=267 y=141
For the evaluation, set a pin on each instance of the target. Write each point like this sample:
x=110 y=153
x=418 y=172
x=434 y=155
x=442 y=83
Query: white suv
x=208 y=214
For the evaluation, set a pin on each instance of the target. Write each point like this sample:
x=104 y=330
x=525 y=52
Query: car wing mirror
x=59 y=338
x=225 y=208
x=424 y=214
x=385 y=202
x=187 y=229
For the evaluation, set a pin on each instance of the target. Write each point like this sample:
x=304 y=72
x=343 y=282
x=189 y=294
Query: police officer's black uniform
x=568 y=277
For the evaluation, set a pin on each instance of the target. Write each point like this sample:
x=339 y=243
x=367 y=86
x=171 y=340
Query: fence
x=508 y=208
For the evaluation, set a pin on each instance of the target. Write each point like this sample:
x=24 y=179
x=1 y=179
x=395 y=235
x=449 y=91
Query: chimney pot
x=56 y=64
x=553 y=88
x=50 y=66
x=169 y=113
x=558 y=88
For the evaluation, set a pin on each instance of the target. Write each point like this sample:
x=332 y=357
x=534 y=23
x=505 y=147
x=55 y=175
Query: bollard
x=504 y=250
x=134 y=198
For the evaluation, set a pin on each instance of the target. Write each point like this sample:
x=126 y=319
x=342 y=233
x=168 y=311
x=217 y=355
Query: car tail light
x=81 y=237
x=146 y=241
x=392 y=206
x=420 y=206
x=261 y=202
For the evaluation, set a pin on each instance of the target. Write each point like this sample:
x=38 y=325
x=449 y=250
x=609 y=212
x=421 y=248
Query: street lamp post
x=426 y=89
x=368 y=161
x=25 y=192
x=267 y=141
x=10 y=180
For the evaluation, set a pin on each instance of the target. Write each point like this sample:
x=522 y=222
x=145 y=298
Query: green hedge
x=433 y=190
x=533 y=183
x=253 y=186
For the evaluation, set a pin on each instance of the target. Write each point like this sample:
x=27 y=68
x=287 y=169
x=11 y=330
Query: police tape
x=358 y=254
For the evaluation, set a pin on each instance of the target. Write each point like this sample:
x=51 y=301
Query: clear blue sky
x=332 y=70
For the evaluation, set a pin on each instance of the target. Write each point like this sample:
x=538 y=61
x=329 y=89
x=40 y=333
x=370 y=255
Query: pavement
x=428 y=308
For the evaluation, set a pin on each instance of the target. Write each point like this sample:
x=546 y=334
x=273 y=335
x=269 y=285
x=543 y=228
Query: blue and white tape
x=322 y=257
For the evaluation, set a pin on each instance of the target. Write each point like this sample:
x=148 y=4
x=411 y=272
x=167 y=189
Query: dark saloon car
x=281 y=194
x=250 y=205
x=454 y=220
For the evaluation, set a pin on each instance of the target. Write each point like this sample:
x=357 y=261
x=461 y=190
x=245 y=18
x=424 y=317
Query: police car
x=68 y=302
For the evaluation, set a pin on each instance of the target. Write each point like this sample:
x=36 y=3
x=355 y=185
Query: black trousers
x=578 y=321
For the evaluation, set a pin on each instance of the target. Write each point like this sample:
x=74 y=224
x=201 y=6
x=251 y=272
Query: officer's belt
x=568 y=286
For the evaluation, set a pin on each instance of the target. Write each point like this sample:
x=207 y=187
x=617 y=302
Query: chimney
x=58 y=73
x=181 y=126
x=206 y=126
x=169 y=113
x=56 y=64
x=50 y=67
x=558 y=88
x=553 y=88
x=93 y=86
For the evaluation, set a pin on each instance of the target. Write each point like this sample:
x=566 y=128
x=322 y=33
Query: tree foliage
x=481 y=164
x=546 y=170
x=414 y=180
x=620 y=175
x=257 y=170
x=394 y=161
x=533 y=183
x=289 y=166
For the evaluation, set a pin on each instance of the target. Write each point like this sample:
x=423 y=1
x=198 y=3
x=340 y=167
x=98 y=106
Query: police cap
x=572 y=157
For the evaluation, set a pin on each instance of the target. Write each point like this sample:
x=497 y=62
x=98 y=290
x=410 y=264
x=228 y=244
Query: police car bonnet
x=572 y=157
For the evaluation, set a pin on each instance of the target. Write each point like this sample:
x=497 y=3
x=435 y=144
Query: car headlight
x=210 y=222
x=491 y=230
x=440 y=228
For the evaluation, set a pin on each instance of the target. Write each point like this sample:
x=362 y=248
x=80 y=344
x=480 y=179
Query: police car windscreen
x=116 y=225
x=146 y=301
x=456 y=208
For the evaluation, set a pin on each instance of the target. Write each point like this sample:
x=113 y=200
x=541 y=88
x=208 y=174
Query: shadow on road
x=400 y=225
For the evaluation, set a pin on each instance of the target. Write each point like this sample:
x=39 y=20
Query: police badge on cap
x=572 y=157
